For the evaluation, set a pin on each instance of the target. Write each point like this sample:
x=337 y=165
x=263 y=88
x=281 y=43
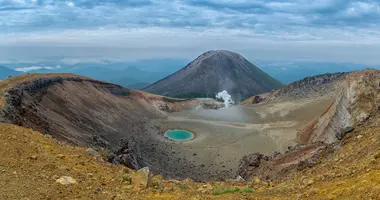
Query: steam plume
x=226 y=97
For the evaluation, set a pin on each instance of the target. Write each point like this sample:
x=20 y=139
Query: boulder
x=142 y=178
x=257 y=99
x=97 y=156
x=127 y=154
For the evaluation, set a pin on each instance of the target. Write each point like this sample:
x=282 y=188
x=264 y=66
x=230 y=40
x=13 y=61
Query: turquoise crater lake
x=179 y=135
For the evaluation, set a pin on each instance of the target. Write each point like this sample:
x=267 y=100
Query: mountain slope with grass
x=351 y=171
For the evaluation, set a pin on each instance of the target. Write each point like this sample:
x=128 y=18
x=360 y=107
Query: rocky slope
x=82 y=111
x=308 y=87
x=357 y=100
x=213 y=72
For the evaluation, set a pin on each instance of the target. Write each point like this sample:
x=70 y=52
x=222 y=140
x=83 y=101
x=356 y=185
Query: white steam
x=226 y=97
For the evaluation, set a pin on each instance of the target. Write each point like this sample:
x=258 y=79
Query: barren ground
x=224 y=136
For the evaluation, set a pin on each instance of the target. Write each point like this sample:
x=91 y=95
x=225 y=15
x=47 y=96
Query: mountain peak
x=220 y=53
x=213 y=72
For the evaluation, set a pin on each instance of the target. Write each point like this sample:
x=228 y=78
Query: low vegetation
x=232 y=190
x=34 y=166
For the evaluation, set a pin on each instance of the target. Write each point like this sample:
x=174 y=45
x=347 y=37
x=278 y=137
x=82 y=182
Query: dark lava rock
x=248 y=164
x=99 y=141
x=274 y=155
x=257 y=99
x=344 y=132
x=127 y=154
x=114 y=159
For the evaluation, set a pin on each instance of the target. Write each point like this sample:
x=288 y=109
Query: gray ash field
x=224 y=136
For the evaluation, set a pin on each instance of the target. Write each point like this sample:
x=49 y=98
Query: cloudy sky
x=93 y=30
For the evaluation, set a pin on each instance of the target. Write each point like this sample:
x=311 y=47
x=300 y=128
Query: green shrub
x=225 y=191
x=231 y=190
x=247 y=190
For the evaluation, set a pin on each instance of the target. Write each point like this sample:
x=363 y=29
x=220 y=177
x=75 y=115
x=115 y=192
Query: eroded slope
x=84 y=112
x=356 y=100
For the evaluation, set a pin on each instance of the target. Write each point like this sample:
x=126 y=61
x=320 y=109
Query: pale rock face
x=142 y=178
x=66 y=180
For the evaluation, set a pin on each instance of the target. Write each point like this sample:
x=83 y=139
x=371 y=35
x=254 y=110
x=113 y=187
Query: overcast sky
x=94 y=30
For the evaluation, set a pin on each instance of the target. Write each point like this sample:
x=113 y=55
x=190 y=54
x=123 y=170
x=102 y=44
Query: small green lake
x=179 y=135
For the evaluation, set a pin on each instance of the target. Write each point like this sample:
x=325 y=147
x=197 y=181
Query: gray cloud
x=62 y=14
x=280 y=26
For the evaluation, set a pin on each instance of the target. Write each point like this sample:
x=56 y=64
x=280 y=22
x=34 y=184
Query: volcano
x=213 y=72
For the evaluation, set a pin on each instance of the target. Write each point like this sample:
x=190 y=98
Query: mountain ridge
x=5 y=72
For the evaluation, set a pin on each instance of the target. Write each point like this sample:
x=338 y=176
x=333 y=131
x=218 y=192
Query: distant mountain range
x=139 y=74
x=213 y=72
x=6 y=72
x=125 y=77
x=288 y=72
x=131 y=77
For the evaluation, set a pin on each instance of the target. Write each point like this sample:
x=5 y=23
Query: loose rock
x=239 y=179
x=92 y=152
x=66 y=180
x=60 y=156
x=34 y=157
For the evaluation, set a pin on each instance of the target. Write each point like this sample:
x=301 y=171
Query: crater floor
x=224 y=136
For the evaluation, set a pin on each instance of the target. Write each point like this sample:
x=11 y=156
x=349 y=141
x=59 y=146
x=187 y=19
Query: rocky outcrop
x=127 y=155
x=274 y=166
x=248 y=165
x=356 y=102
x=309 y=87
